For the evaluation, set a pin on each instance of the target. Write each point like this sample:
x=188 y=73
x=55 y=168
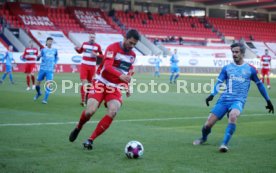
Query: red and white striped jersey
x=88 y=57
x=265 y=61
x=30 y=55
x=115 y=63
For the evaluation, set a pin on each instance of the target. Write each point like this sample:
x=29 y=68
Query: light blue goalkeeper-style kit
x=237 y=79
x=49 y=58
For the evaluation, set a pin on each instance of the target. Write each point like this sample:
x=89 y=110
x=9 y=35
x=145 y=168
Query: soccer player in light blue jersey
x=49 y=58
x=174 y=67
x=157 y=62
x=237 y=76
x=8 y=57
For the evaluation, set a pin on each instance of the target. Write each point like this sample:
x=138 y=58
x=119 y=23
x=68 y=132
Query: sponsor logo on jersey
x=109 y=54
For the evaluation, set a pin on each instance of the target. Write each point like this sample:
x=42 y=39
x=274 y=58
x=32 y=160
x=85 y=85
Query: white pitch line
x=116 y=121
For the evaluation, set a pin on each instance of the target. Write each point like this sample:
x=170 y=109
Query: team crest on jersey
x=131 y=59
x=109 y=54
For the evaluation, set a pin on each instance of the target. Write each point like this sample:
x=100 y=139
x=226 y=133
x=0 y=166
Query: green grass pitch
x=166 y=124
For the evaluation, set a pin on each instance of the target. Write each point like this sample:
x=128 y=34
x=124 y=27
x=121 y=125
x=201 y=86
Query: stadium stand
x=63 y=20
x=93 y=20
x=162 y=26
x=248 y=30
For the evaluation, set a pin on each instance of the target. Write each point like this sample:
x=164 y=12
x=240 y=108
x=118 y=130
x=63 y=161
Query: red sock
x=82 y=93
x=268 y=80
x=101 y=127
x=28 y=80
x=83 y=120
x=33 y=79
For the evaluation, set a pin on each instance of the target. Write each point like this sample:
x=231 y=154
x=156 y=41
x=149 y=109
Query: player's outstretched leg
x=38 y=93
x=11 y=78
x=175 y=78
x=113 y=107
x=268 y=82
x=33 y=81
x=171 y=77
x=206 y=129
x=92 y=106
x=47 y=93
x=230 y=129
x=3 y=77
x=28 y=79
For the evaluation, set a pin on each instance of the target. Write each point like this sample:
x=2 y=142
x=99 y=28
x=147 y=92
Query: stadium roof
x=269 y=5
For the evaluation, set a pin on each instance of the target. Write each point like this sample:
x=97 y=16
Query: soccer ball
x=134 y=150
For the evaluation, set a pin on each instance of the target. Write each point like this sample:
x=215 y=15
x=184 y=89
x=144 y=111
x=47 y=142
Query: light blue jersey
x=157 y=62
x=174 y=60
x=237 y=79
x=49 y=57
x=8 y=58
x=174 y=64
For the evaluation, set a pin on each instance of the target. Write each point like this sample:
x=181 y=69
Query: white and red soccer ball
x=134 y=150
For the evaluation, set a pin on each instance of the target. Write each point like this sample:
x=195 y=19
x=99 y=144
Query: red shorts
x=87 y=72
x=265 y=72
x=100 y=92
x=29 y=67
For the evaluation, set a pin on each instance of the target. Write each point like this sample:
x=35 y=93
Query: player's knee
x=90 y=110
x=112 y=112
x=233 y=117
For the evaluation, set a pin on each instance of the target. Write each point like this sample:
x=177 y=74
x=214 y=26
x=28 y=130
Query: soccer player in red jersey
x=30 y=55
x=91 y=51
x=266 y=63
x=114 y=72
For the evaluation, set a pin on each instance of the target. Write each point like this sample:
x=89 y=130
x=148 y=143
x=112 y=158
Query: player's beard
x=237 y=60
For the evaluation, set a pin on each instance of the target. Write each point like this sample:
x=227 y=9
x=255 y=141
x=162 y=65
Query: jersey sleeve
x=110 y=53
x=80 y=50
x=56 y=57
x=254 y=75
x=24 y=54
x=223 y=74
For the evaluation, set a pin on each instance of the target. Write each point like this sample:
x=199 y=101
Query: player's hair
x=133 y=34
x=49 y=38
x=242 y=47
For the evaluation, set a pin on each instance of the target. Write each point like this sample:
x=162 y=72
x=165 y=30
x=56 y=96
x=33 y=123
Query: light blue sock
x=47 y=93
x=11 y=78
x=229 y=131
x=4 y=76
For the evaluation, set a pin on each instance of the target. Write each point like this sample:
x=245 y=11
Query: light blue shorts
x=174 y=69
x=221 y=108
x=49 y=75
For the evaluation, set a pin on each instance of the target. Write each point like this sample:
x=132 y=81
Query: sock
x=4 y=76
x=176 y=76
x=101 y=127
x=47 y=93
x=33 y=79
x=83 y=120
x=82 y=93
x=205 y=132
x=11 y=78
x=28 y=80
x=229 y=131
x=268 y=80
x=37 y=87
x=171 y=77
